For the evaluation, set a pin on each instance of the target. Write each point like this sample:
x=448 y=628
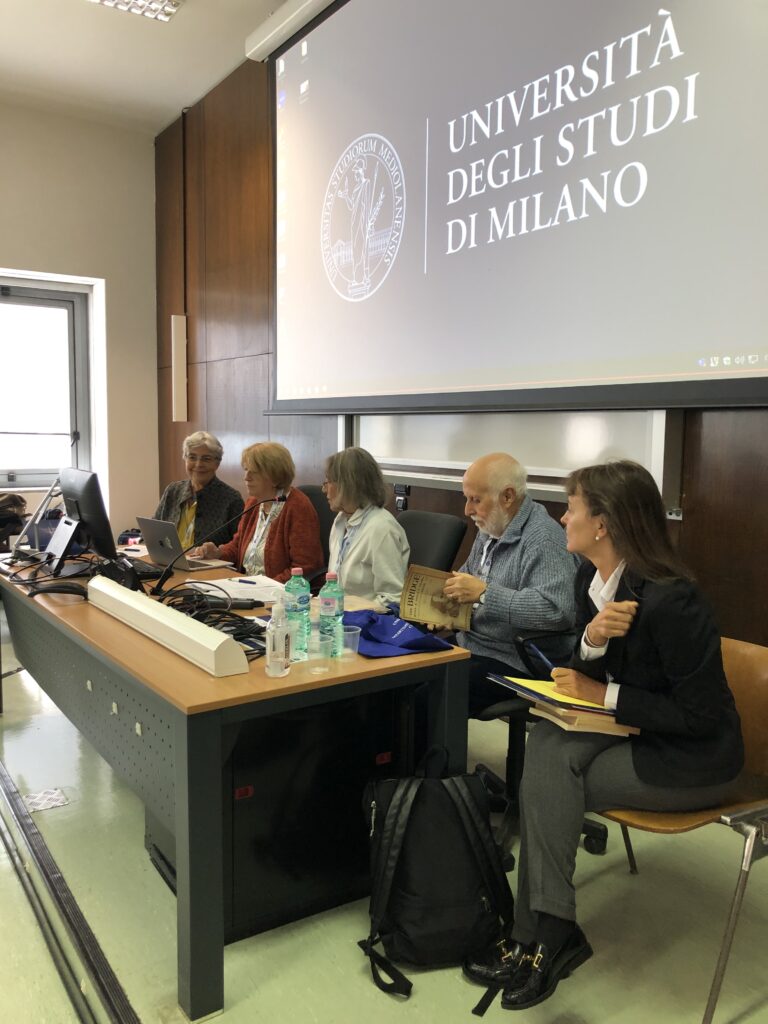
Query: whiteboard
x=436 y=449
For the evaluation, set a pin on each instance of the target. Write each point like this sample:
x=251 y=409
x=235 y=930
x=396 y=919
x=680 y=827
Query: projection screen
x=505 y=204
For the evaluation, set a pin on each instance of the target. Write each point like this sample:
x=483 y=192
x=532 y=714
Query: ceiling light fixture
x=159 y=10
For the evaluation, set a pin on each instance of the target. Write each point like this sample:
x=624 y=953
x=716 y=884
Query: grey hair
x=508 y=472
x=202 y=439
x=357 y=477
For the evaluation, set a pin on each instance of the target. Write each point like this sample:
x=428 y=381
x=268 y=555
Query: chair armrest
x=553 y=645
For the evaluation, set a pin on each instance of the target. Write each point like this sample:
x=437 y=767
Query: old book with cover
x=423 y=600
x=583 y=721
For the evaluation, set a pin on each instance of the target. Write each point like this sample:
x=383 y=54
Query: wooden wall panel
x=194 y=233
x=172 y=434
x=169 y=234
x=238 y=214
x=310 y=440
x=235 y=400
x=724 y=533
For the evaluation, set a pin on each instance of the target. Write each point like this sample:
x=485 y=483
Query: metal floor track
x=88 y=978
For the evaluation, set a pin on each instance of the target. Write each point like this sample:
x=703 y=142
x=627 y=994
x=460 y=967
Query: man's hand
x=614 y=620
x=464 y=588
x=569 y=683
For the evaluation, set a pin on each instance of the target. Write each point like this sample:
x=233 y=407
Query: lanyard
x=252 y=563
x=264 y=522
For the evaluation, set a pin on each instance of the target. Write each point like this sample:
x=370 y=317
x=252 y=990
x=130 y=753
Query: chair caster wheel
x=508 y=862
x=595 y=845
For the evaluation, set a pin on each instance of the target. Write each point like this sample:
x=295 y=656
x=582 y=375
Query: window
x=44 y=411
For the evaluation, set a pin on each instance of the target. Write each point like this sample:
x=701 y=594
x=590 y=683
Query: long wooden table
x=165 y=727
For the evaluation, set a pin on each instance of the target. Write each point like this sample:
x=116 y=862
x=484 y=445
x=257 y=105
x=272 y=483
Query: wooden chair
x=746 y=668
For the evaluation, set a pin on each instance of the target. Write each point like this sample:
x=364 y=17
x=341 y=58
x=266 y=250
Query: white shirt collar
x=358 y=515
x=602 y=592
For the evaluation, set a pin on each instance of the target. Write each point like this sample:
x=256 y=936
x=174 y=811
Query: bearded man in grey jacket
x=518 y=576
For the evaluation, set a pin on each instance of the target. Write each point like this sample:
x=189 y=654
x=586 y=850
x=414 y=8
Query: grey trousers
x=566 y=774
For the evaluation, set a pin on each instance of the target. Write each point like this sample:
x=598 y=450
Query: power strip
x=209 y=649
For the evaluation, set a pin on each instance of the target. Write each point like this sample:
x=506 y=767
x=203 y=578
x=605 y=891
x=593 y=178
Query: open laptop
x=163 y=546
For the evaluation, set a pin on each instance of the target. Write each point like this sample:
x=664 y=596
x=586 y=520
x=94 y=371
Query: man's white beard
x=495 y=524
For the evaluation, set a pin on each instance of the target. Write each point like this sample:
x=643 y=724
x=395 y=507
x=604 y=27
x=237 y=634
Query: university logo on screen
x=363 y=217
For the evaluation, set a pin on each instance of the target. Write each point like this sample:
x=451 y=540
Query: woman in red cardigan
x=273 y=536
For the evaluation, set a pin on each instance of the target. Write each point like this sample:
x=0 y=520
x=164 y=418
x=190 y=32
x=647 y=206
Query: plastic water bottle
x=332 y=613
x=278 y=642
x=297 y=608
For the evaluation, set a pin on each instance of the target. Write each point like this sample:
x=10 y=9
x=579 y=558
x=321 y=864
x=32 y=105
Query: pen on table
x=251 y=583
x=540 y=654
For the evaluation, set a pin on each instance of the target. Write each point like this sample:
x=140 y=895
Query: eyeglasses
x=204 y=460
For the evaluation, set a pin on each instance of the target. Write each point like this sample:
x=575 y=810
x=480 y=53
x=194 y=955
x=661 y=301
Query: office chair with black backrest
x=434 y=537
x=326 y=517
x=557 y=649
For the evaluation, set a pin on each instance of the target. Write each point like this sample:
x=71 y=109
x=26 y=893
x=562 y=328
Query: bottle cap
x=331 y=575
x=297 y=572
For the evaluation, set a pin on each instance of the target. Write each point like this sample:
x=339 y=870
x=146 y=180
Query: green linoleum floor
x=30 y=987
x=655 y=936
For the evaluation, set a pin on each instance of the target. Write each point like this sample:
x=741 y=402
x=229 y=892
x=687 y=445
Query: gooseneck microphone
x=168 y=571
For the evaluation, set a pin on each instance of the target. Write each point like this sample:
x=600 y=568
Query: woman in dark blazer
x=650 y=650
x=202 y=507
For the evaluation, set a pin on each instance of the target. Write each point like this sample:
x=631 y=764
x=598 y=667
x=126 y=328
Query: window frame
x=75 y=304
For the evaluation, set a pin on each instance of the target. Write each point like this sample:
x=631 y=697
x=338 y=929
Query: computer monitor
x=86 y=527
x=83 y=501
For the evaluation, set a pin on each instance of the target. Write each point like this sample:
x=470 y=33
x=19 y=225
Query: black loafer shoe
x=498 y=965
x=546 y=970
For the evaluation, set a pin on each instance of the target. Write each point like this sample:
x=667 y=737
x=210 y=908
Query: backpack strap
x=399 y=985
x=486 y=999
x=389 y=847
x=483 y=845
x=388 y=854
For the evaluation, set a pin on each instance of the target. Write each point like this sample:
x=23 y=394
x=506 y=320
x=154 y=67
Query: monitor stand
x=22 y=554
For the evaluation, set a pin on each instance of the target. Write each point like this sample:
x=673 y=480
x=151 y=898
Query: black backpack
x=438 y=892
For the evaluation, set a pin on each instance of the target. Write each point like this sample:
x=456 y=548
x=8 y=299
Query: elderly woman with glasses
x=368 y=547
x=273 y=535
x=201 y=506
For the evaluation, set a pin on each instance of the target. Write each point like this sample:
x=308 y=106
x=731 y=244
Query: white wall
x=78 y=200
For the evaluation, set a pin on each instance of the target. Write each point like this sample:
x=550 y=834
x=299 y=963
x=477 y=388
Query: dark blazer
x=217 y=503
x=672 y=684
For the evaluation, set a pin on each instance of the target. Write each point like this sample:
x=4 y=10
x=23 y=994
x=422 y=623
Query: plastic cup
x=351 y=641
x=319 y=653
